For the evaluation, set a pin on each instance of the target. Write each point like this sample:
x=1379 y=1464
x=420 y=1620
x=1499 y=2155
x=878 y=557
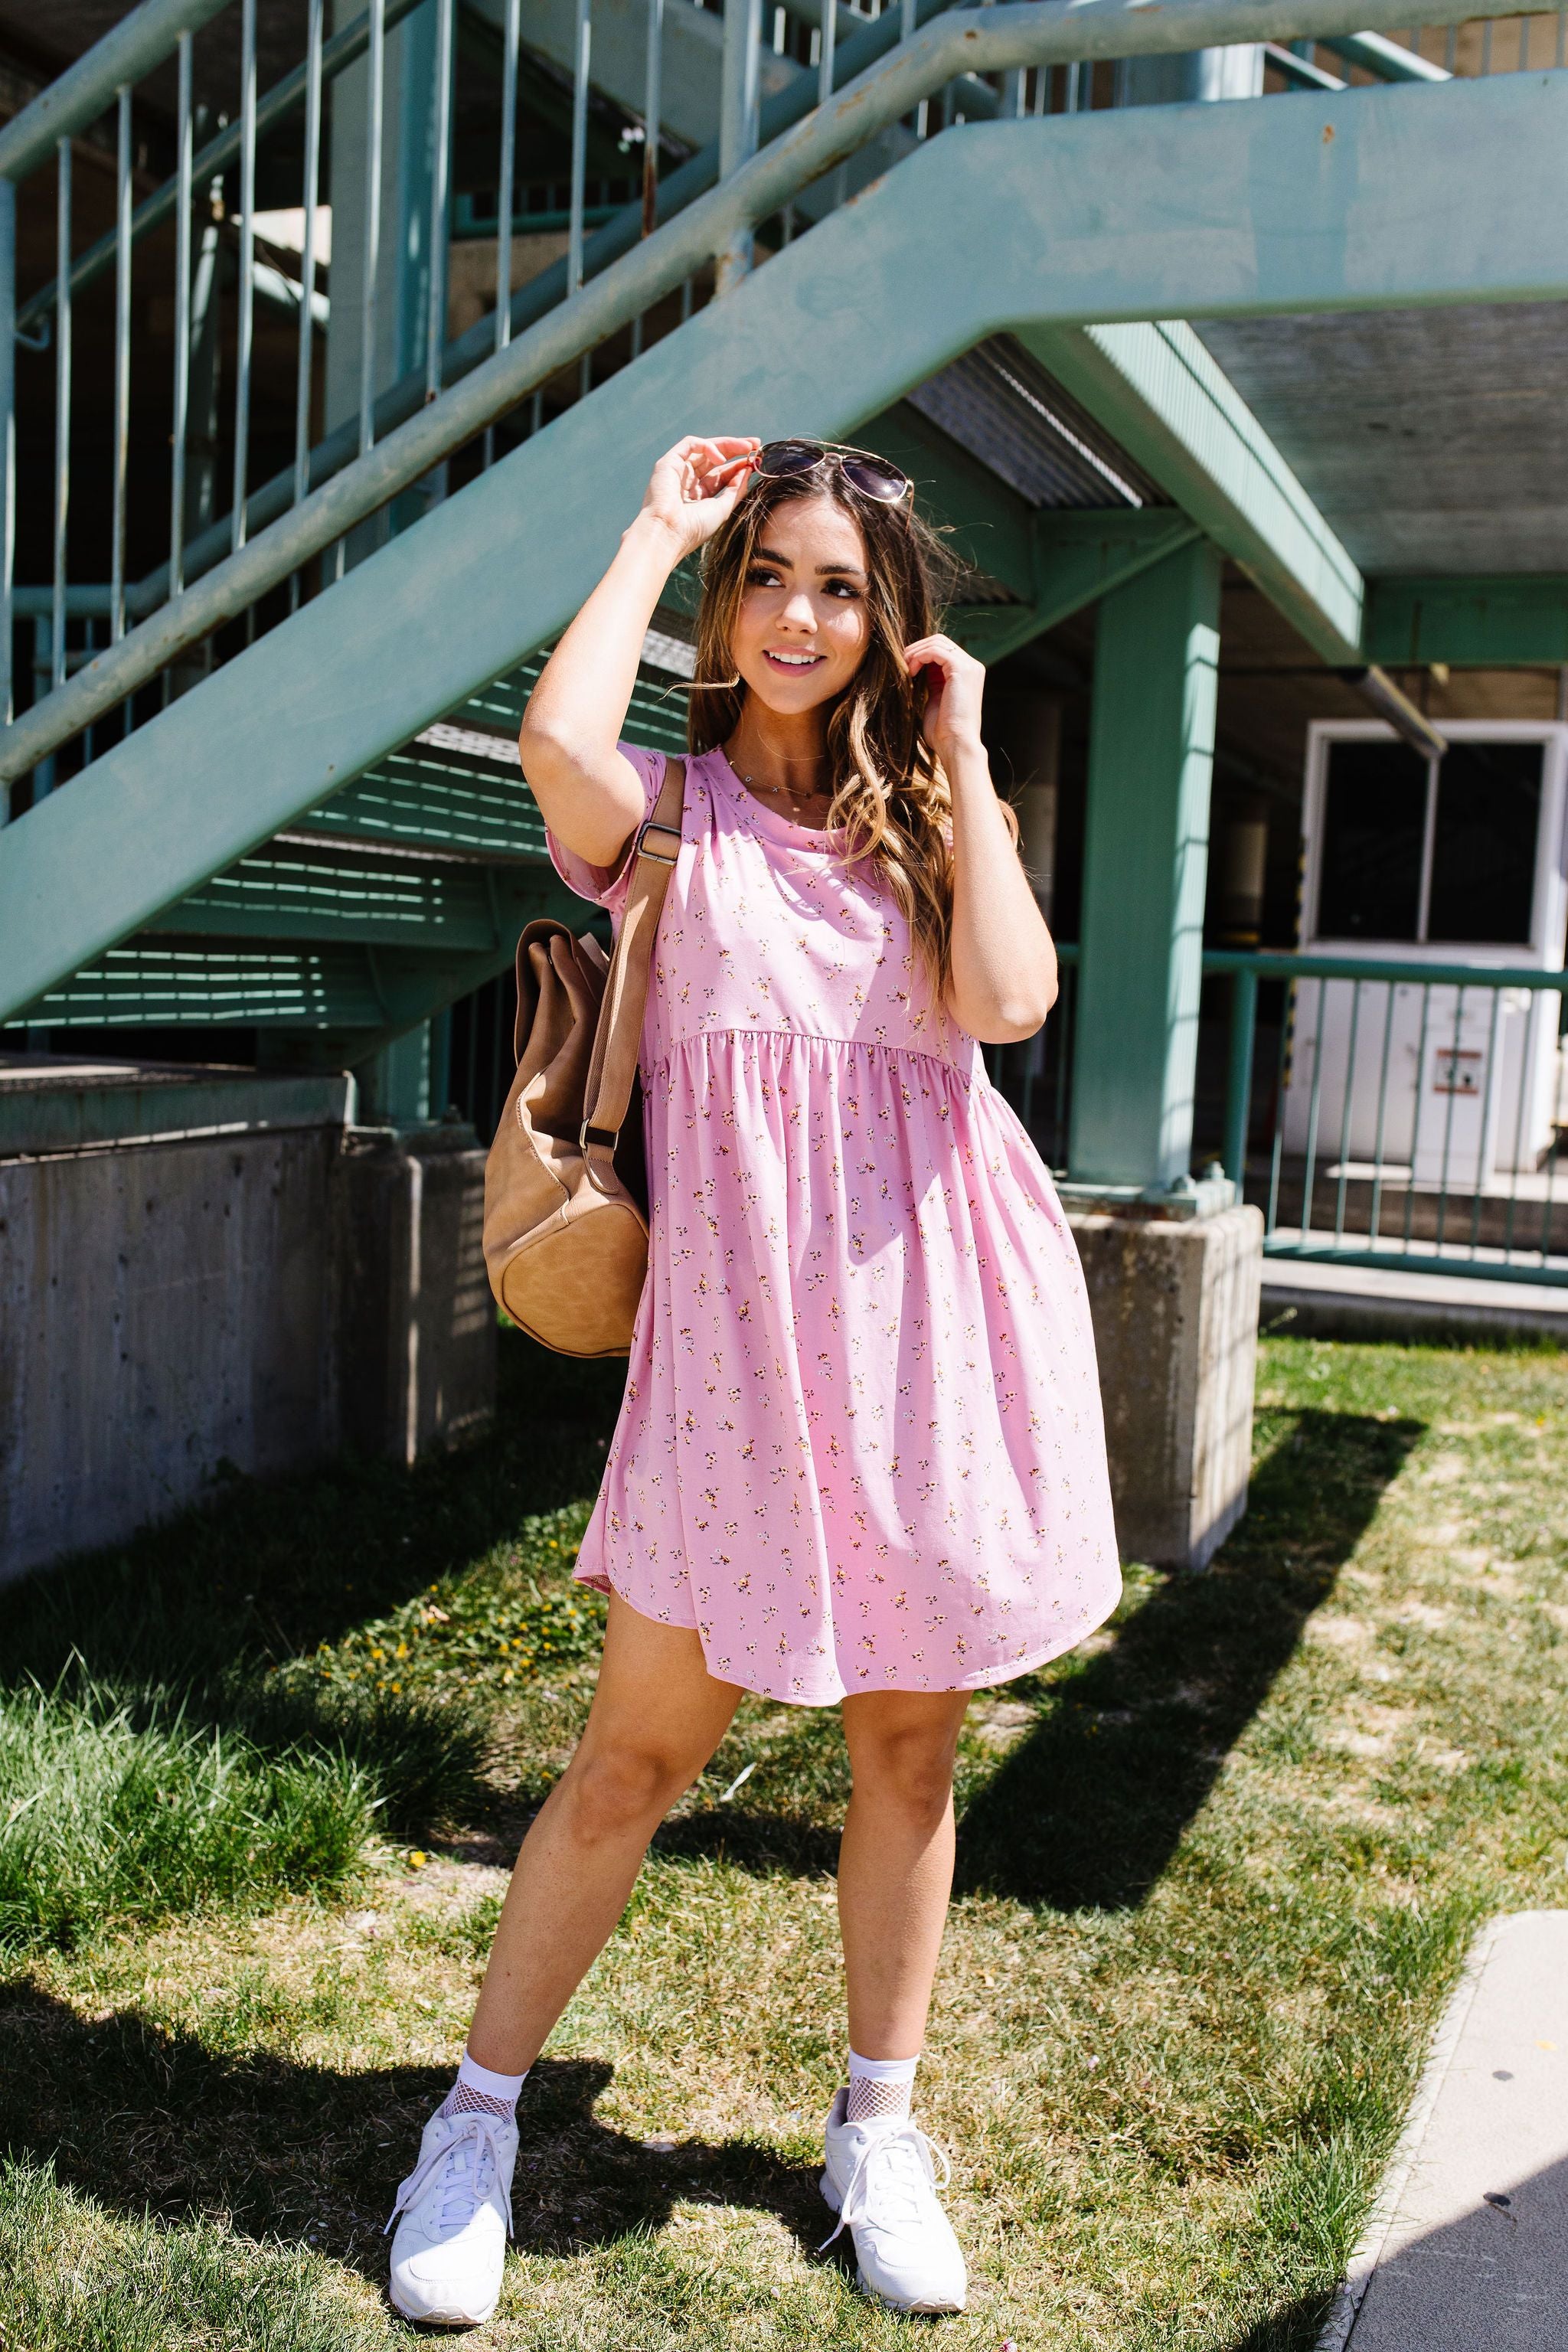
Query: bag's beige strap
x=613 y=1066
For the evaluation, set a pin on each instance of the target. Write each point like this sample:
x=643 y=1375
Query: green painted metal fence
x=1410 y=1113
x=1380 y=1112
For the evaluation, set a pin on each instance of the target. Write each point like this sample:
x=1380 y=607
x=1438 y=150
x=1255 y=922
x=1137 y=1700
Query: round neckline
x=769 y=821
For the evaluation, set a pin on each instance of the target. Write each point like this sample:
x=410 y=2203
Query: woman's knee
x=619 y=1787
x=909 y=1770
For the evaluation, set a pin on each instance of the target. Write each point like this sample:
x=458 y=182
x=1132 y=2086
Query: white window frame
x=1549 y=895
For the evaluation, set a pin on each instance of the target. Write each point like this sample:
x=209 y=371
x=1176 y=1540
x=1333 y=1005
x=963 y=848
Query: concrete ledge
x=1467 y=2250
x=1329 y=1302
x=50 y=1104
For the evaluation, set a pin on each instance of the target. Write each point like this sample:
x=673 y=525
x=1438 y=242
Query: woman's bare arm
x=1004 y=975
x=590 y=795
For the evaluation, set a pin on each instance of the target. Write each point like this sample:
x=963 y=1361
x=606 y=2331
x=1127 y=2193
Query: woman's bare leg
x=657 y=1717
x=895 y=1865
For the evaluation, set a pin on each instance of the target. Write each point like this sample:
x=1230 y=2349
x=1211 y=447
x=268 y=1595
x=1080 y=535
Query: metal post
x=1375 y=1220
x=738 y=120
x=1342 y=1195
x=440 y=189
x=62 y=401
x=825 y=60
x=8 y=452
x=653 y=99
x=181 y=327
x=123 y=254
x=581 y=43
x=374 y=102
x=1238 y=1089
x=302 y=381
x=507 y=197
x=246 y=317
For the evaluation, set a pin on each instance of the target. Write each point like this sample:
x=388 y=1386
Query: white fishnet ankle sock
x=879 y=2086
x=478 y=2090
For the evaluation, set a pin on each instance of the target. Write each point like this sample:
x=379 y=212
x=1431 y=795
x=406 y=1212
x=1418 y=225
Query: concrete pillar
x=419 y=1351
x=1145 y=867
x=1175 y=1304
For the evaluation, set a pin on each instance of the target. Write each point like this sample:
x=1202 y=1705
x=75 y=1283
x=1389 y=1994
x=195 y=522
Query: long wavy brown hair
x=891 y=799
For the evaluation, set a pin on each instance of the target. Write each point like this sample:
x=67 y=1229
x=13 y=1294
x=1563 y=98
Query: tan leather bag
x=565 y=1234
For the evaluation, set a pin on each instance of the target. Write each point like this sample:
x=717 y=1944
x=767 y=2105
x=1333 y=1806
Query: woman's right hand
x=697 y=486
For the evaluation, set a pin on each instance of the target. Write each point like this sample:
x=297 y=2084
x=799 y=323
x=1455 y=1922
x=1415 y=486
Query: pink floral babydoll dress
x=861 y=1445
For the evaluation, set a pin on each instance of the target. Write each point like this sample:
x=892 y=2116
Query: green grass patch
x=1218 y=1872
x=475 y=1632
x=201 y=1718
x=104 y=1820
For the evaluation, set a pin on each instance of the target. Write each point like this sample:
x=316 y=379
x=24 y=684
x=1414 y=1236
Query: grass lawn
x=260 y=1772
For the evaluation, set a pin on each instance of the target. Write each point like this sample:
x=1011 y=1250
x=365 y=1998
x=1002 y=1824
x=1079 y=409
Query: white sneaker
x=456 y=2209
x=880 y=2181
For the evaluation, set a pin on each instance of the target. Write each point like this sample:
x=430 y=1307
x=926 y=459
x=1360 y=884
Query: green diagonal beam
x=1157 y=389
x=1455 y=192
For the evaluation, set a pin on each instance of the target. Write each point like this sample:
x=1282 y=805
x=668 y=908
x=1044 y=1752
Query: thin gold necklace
x=819 y=793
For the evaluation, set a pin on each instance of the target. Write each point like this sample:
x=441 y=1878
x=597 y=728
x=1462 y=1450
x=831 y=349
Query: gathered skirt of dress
x=861 y=1445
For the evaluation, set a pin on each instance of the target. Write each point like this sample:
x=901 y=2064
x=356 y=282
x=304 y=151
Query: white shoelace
x=464 y=2187
x=907 y=2162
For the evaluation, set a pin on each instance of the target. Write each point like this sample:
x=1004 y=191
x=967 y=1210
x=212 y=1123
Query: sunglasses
x=873 y=476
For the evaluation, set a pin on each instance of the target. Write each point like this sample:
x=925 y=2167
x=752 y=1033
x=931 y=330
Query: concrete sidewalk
x=1324 y=1301
x=1467 y=2249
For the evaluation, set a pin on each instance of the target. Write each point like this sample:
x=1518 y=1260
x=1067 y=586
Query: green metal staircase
x=385 y=903
x=325 y=839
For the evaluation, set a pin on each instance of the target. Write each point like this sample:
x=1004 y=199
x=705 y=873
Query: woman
x=860 y=1459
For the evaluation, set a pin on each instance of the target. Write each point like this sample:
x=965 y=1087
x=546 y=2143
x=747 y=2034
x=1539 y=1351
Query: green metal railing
x=1412 y=1114
x=1416 y=1119
x=696 y=221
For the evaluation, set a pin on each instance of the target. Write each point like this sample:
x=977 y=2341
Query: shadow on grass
x=1088 y=1808
x=150 y=2121
x=1296 y=2328
x=273 y=1569
x=186 y=1618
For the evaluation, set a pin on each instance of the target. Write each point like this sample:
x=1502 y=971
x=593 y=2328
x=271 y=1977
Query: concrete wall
x=200 y=1271
x=415 y=1292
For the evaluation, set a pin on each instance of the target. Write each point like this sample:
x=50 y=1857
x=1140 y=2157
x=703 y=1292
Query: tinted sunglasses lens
x=876 y=480
x=782 y=458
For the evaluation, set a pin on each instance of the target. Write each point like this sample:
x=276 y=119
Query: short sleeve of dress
x=606 y=886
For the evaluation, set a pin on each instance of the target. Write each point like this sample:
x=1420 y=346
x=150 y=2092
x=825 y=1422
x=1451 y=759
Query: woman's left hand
x=954 y=693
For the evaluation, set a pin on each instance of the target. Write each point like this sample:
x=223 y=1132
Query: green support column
x=394 y=1085
x=396 y=1082
x=1145 y=864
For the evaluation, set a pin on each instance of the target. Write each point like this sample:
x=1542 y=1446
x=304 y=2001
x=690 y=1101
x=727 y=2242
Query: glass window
x=1483 y=859
x=1374 y=818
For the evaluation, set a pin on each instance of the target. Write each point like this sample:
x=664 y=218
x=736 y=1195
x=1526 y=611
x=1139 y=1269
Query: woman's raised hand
x=697 y=485
x=954 y=692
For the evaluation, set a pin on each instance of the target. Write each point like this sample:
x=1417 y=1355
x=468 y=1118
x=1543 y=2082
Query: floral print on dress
x=860 y=1446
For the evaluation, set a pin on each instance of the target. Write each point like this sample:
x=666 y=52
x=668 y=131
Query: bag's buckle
x=657 y=856
x=605 y=1138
